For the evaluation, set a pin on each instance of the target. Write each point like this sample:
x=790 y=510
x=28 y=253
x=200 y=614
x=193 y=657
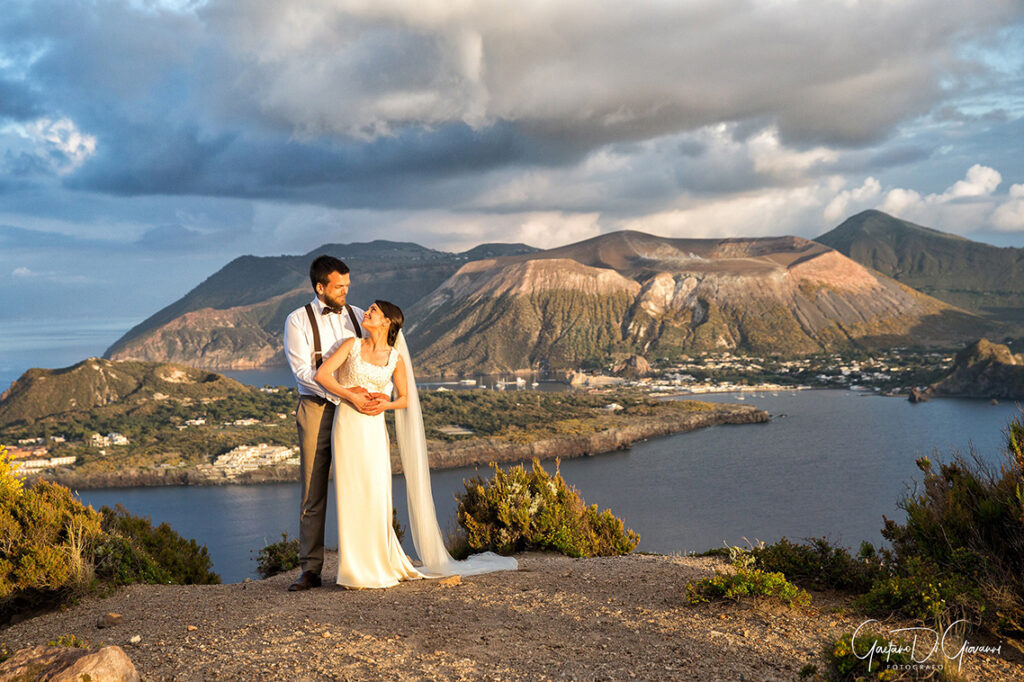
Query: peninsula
x=131 y=424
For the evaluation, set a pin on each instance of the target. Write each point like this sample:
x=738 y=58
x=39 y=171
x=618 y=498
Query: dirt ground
x=556 y=618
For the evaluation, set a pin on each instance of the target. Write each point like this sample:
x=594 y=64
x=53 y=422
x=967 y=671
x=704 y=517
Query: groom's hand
x=359 y=397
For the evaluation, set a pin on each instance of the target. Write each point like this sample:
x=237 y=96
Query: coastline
x=443 y=455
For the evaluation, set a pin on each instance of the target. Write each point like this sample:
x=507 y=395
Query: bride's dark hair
x=395 y=317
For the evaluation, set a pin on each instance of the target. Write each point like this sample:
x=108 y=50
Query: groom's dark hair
x=395 y=316
x=322 y=267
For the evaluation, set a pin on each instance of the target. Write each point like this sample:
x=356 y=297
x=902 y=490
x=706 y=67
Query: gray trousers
x=314 y=417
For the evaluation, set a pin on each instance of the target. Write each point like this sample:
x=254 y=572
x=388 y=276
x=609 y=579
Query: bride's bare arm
x=401 y=384
x=325 y=377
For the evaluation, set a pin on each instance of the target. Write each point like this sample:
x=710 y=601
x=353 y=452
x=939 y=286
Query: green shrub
x=185 y=562
x=959 y=553
x=746 y=582
x=278 y=557
x=819 y=565
x=69 y=641
x=120 y=561
x=920 y=589
x=517 y=511
x=46 y=540
x=872 y=656
x=53 y=549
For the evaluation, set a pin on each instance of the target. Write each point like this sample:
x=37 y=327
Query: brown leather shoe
x=307 y=580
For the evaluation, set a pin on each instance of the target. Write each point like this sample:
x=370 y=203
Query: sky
x=146 y=143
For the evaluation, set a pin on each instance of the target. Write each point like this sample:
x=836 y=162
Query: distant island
x=510 y=308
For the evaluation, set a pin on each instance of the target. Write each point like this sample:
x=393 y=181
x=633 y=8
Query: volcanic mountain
x=981 y=278
x=630 y=292
x=235 y=318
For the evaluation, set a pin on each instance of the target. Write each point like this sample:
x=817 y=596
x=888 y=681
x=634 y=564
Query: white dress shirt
x=298 y=343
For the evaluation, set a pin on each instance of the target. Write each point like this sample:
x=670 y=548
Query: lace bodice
x=357 y=372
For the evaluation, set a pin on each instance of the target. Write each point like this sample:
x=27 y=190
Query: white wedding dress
x=369 y=554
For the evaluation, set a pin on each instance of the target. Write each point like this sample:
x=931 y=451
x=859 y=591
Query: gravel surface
x=586 y=619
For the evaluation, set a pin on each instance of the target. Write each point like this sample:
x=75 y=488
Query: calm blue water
x=830 y=463
x=53 y=343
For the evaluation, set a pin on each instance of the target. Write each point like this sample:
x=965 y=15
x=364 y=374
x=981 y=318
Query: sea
x=830 y=463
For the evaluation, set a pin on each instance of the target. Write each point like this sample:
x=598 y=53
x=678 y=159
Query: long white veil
x=426 y=534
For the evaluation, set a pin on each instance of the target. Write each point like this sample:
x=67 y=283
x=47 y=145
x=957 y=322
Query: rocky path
x=586 y=619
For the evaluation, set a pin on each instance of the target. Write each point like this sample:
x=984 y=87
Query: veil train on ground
x=426 y=534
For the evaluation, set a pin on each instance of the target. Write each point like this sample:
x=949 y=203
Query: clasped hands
x=368 y=403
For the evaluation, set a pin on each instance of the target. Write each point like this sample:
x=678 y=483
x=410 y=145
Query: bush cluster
x=820 y=565
x=960 y=552
x=53 y=549
x=744 y=580
x=182 y=562
x=518 y=510
x=283 y=556
x=850 y=659
x=957 y=556
x=46 y=540
x=278 y=557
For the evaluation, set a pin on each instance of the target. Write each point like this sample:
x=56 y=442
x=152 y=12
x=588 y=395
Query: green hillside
x=96 y=382
x=984 y=279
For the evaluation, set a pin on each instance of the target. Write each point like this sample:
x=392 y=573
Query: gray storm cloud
x=834 y=72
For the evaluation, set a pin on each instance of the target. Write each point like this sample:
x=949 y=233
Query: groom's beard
x=335 y=302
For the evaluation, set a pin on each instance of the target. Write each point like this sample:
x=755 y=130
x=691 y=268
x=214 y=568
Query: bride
x=369 y=554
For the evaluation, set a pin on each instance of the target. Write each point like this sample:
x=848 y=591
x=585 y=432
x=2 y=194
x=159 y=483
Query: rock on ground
x=64 y=664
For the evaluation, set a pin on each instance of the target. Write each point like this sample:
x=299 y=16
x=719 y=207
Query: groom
x=312 y=333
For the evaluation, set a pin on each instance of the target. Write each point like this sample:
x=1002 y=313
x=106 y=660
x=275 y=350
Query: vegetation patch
x=955 y=560
x=519 y=510
x=53 y=549
x=866 y=655
x=819 y=565
x=743 y=580
x=278 y=557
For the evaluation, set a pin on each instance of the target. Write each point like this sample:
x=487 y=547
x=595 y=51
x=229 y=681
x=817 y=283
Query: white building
x=250 y=457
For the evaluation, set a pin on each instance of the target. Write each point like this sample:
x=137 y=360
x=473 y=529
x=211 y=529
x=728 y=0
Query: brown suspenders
x=318 y=356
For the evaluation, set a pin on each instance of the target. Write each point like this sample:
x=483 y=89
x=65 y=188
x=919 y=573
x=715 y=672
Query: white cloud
x=1009 y=216
x=24 y=273
x=902 y=202
x=45 y=145
x=547 y=230
x=839 y=207
x=768 y=212
x=966 y=206
x=980 y=181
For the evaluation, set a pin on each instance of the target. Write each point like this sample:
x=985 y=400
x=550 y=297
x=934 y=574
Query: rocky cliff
x=983 y=370
x=631 y=292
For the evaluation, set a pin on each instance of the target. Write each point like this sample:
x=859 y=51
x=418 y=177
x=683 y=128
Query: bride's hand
x=375 y=407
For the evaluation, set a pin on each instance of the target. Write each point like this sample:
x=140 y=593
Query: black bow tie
x=328 y=310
